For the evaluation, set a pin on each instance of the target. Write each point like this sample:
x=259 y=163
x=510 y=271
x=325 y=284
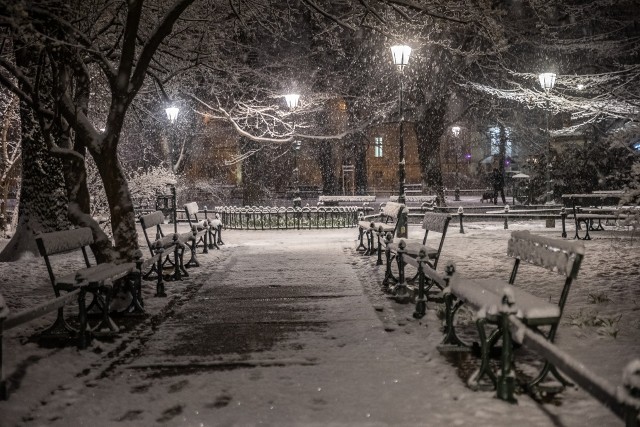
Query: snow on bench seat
x=485 y=296
x=413 y=247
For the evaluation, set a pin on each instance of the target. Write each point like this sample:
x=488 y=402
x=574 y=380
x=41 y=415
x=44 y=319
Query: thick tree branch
x=162 y=30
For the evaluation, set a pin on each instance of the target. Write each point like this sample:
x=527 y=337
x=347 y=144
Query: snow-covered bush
x=143 y=185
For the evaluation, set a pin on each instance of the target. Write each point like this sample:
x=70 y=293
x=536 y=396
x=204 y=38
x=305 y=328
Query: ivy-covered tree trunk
x=43 y=198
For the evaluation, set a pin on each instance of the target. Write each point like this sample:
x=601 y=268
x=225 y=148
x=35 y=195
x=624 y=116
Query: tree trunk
x=251 y=175
x=43 y=199
x=324 y=151
x=429 y=129
x=79 y=208
x=123 y=220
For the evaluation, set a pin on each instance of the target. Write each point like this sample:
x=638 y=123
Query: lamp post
x=292 y=102
x=172 y=114
x=401 y=55
x=297 y=202
x=547 y=81
x=455 y=130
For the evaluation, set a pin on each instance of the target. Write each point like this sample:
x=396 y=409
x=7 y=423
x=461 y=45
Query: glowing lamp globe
x=172 y=113
x=547 y=81
x=400 y=55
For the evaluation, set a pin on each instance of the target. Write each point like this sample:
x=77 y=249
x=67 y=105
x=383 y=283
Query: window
x=377 y=146
x=494 y=137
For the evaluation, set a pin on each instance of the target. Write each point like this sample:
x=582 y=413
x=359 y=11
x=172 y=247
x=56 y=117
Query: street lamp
x=547 y=81
x=400 y=54
x=297 y=202
x=455 y=130
x=292 y=102
x=172 y=114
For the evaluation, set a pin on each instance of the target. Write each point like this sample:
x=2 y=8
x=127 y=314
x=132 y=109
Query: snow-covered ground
x=601 y=328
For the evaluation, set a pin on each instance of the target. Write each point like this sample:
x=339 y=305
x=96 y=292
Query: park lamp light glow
x=455 y=130
x=547 y=81
x=172 y=113
x=292 y=100
x=400 y=55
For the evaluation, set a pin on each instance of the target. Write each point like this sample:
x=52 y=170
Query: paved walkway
x=283 y=328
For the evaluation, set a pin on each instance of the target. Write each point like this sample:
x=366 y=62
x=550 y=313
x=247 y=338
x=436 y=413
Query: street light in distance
x=547 y=81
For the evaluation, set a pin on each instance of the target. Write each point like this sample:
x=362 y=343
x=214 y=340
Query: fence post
x=563 y=216
x=506 y=384
x=506 y=217
x=460 y=215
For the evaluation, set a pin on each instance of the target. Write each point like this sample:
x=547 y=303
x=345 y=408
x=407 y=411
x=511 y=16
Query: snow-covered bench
x=589 y=208
x=350 y=200
x=200 y=228
x=164 y=249
x=386 y=221
x=487 y=298
x=97 y=280
x=405 y=252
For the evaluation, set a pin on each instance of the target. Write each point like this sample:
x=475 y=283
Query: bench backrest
x=555 y=255
x=58 y=242
x=153 y=219
x=438 y=223
x=191 y=209
x=391 y=210
x=63 y=241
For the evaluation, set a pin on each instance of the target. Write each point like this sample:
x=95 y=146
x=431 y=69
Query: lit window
x=377 y=146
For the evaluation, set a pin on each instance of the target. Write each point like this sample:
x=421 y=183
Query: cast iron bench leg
x=388 y=273
x=485 y=368
x=360 y=240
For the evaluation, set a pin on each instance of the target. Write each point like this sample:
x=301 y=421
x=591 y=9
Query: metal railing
x=506 y=214
x=287 y=218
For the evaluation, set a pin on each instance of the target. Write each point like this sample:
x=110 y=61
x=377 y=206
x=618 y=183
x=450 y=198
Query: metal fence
x=287 y=218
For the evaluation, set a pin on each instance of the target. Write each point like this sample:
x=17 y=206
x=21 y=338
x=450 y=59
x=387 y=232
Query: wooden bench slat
x=191 y=208
x=37 y=311
x=152 y=219
x=62 y=241
x=413 y=247
x=428 y=271
x=553 y=254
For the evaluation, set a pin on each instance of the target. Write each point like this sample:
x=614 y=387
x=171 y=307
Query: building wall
x=382 y=172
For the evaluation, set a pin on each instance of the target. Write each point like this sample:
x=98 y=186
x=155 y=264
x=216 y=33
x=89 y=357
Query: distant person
x=498 y=186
